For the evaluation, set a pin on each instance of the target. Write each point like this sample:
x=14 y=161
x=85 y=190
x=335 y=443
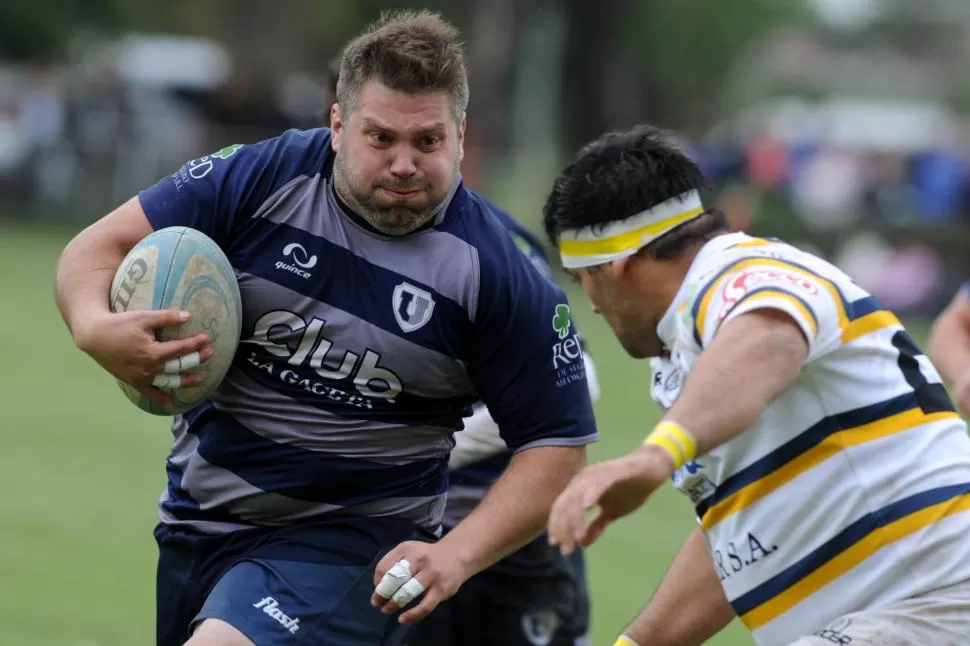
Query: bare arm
x=513 y=513
x=752 y=360
x=949 y=342
x=517 y=506
x=124 y=344
x=89 y=262
x=689 y=607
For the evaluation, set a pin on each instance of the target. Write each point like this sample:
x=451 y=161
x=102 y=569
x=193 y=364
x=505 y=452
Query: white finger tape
x=394 y=579
x=183 y=363
x=166 y=380
x=407 y=592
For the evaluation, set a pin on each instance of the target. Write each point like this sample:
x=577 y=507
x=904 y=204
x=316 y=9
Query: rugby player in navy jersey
x=535 y=595
x=381 y=300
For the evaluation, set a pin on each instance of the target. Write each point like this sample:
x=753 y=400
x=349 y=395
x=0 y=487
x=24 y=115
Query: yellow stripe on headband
x=599 y=244
x=626 y=241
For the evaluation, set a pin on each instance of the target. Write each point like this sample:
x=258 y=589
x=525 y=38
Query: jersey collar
x=667 y=328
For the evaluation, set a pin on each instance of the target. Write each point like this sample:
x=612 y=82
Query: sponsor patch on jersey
x=736 y=287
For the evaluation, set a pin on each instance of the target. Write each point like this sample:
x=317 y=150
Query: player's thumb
x=595 y=528
x=164 y=318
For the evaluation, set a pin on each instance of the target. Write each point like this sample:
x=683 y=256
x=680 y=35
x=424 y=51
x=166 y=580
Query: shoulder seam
x=473 y=257
x=273 y=197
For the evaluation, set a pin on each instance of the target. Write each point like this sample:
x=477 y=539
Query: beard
x=394 y=219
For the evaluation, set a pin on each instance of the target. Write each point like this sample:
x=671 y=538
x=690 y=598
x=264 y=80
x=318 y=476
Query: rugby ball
x=182 y=268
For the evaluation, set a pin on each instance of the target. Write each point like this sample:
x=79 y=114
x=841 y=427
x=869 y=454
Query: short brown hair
x=407 y=51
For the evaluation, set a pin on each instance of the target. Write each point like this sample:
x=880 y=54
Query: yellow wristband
x=675 y=440
x=623 y=640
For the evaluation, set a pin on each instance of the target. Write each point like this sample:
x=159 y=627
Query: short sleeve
x=810 y=300
x=528 y=366
x=215 y=192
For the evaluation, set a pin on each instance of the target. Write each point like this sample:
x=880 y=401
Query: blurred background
x=842 y=126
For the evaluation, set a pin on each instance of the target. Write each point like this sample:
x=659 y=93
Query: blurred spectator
x=42 y=122
x=939 y=183
x=767 y=162
x=828 y=191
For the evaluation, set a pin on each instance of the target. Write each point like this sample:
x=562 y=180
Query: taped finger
x=167 y=381
x=411 y=589
x=183 y=363
x=394 y=579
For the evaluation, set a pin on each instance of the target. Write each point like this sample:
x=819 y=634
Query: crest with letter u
x=412 y=306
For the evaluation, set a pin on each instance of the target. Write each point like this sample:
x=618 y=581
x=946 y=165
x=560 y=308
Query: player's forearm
x=689 y=607
x=949 y=346
x=753 y=359
x=83 y=279
x=517 y=506
x=89 y=262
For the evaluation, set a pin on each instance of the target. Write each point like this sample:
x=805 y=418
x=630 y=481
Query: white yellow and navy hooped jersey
x=852 y=489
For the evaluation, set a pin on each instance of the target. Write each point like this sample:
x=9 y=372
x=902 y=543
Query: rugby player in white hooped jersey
x=306 y=510
x=828 y=469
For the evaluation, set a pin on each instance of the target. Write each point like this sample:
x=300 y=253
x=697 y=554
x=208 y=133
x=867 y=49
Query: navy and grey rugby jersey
x=360 y=352
x=480 y=465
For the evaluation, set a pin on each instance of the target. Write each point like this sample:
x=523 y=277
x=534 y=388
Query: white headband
x=600 y=244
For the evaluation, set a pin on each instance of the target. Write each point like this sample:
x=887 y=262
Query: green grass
x=81 y=470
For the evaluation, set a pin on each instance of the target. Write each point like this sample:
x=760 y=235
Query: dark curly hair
x=623 y=173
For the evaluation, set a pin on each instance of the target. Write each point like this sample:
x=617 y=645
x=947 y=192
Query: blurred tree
x=656 y=60
x=40 y=29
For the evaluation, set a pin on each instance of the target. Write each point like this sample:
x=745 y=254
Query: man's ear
x=461 y=139
x=619 y=267
x=336 y=126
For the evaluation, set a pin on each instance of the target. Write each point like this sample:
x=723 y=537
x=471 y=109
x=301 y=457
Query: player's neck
x=661 y=280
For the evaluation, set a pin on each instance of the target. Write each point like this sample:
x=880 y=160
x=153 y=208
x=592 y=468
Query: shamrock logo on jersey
x=226 y=152
x=560 y=321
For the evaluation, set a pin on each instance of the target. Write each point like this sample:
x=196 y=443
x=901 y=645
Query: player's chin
x=636 y=349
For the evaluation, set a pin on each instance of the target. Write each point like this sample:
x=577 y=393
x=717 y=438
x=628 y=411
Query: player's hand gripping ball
x=181 y=269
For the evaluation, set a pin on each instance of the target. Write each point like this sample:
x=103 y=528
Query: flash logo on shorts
x=271 y=607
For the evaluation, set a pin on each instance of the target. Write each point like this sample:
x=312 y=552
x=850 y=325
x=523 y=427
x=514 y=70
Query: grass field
x=81 y=470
